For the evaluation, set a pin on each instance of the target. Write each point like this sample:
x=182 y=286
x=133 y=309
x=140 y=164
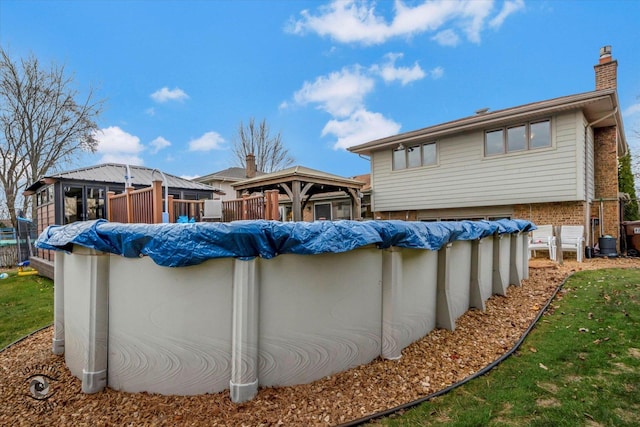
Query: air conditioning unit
x=212 y=210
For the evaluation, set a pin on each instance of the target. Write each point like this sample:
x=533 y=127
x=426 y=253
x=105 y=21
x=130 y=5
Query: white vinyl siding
x=464 y=177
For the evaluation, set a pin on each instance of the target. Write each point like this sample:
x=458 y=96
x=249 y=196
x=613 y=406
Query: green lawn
x=26 y=304
x=579 y=367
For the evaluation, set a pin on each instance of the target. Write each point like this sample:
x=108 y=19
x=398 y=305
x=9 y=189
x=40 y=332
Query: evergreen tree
x=626 y=184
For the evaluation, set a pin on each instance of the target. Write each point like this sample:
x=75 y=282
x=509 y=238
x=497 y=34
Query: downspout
x=586 y=176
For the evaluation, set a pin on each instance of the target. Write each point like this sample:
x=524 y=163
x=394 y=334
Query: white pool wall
x=232 y=324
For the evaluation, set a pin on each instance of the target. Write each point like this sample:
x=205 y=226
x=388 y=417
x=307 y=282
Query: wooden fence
x=147 y=206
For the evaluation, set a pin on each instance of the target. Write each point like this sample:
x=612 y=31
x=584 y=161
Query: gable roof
x=114 y=173
x=600 y=108
x=229 y=174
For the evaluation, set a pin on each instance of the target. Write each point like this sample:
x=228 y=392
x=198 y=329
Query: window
x=399 y=159
x=540 y=134
x=341 y=210
x=494 y=142
x=322 y=211
x=528 y=136
x=414 y=156
x=516 y=138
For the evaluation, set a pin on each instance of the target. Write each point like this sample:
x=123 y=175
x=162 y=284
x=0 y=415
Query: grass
x=26 y=304
x=579 y=367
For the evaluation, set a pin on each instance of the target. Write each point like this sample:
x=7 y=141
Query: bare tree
x=42 y=124
x=271 y=154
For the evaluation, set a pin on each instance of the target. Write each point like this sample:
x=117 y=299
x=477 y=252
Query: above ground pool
x=205 y=307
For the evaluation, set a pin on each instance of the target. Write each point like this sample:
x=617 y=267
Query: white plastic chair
x=543 y=239
x=572 y=239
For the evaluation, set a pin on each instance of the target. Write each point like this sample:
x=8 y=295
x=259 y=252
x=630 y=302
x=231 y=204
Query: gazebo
x=300 y=183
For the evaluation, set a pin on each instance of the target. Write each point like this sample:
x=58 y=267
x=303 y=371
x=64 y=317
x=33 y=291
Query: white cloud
x=207 y=142
x=631 y=110
x=436 y=73
x=446 y=38
x=340 y=93
x=123 y=159
x=115 y=140
x=473 y=15
x=344 y=21
x=360 y=127
x=165 y=94
x=158 y=144
x=389 y=72
x=118 y=146
x=150 y=111
x=508 y=8
x=357 y=21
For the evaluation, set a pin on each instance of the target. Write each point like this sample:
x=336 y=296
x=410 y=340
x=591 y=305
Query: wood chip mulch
x=428 y=365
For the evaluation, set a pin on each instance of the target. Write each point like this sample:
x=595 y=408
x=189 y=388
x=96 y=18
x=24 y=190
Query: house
x=81 y=194
x=224 y=179
x=550 y=162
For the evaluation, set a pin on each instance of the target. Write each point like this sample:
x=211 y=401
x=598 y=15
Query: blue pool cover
x=178 y=245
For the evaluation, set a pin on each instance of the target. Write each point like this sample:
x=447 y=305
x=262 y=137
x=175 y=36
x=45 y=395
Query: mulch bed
x=436 y=361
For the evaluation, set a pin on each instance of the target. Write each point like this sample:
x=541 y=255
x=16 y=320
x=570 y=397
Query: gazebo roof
x=297 y=173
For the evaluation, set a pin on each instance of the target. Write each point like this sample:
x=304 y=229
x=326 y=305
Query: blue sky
x=180 y=76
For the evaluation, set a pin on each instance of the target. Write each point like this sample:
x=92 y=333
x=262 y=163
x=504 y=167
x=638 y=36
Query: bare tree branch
x=271 y=154
x=43 y=125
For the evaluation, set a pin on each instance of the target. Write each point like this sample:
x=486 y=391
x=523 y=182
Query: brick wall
x=606 y=179
x=561 y=213
x=606 y=75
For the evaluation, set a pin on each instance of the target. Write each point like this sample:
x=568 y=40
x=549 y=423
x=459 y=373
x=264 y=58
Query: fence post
x=275 y=211
x=266 y=202
x=172 y=217
x=110 y=195
x=245 y=205
x=129 y=205
x=156 y=209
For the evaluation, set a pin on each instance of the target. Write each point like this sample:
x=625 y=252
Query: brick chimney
x=606 y=70
x=251 y=166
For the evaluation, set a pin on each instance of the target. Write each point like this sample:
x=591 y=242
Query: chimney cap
x=605 y=54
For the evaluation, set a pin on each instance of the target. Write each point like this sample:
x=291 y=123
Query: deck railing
x=147 y=206
x=139 y=206
x=252 y=207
